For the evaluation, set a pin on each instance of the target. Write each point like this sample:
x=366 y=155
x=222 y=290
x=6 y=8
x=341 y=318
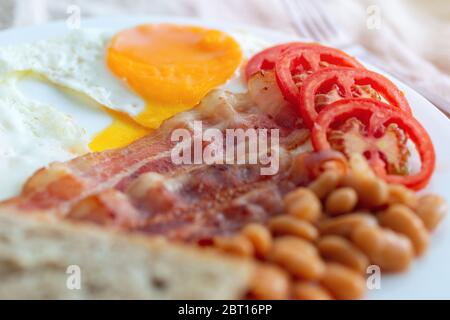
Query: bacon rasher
x=140 y=188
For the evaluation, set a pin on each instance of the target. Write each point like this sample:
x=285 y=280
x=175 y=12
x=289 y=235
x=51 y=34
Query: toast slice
x=42 y=257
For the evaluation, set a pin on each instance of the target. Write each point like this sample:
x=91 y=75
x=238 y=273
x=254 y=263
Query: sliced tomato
x=296 y=64
x=329 y=85
x=265 y=60
x=380 y=132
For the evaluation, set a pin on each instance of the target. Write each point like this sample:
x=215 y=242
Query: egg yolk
x=171 y=67
x=120 y=133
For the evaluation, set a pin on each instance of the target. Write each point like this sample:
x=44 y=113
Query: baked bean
x=325 y=183
x=236 y=245
x=341 y=201
x=372 y=192
x=298 y=257
x=289 y=225
x=399 y=194
x=339 y=166
x=389 y=250
x=260 y=237
x=310 y=291
x=341 y=250
x=303 y=204
x=343 y=282
x=344 y=225
x=270 y=283
x=431 y=209
x=403 y=220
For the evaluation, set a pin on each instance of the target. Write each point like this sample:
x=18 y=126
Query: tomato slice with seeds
x=380 y=132
x=296 y=64
x=265 y=60
x=329 y=85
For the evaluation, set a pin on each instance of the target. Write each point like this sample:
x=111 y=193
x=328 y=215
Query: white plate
x=429 y=278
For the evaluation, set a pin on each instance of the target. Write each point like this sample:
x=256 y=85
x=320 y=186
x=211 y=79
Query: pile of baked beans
x=332 y=231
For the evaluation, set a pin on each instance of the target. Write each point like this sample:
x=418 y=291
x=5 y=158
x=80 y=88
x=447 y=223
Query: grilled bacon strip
x=139 y=187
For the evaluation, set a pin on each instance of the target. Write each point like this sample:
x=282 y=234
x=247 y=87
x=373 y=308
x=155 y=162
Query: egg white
x=76 y=61
x=32 y=135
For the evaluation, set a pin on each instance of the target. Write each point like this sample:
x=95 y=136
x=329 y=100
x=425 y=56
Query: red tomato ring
x=307 y=60
x=346 y=79
x=265 y=60
x=377 y=116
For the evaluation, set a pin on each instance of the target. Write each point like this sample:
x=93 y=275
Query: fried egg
x=138 y=77
x=112 y=89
